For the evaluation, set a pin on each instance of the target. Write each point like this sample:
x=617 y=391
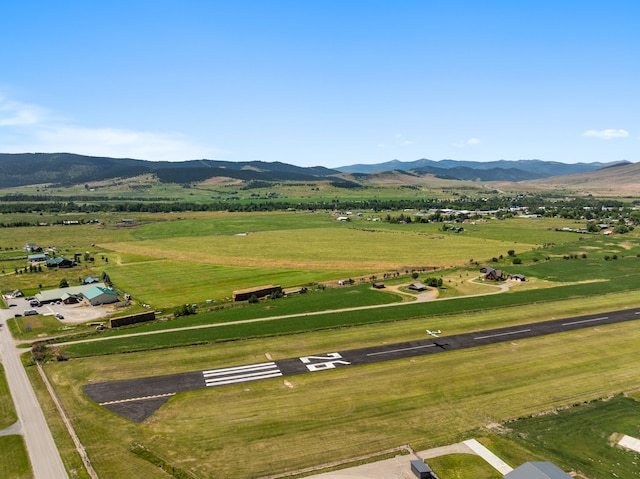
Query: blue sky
x=322 y=82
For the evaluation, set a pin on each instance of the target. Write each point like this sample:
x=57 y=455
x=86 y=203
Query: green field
x=580 y=437
x=269 y=427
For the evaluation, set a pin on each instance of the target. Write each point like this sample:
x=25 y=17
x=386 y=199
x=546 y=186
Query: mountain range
x=65 y=169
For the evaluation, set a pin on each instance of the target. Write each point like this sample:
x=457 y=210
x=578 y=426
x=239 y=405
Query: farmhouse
x=417 y=286
x=32 y=248
x=258 y=292
x=491 y=274
x=537 y=470
x=97 y=295
x=60 y=262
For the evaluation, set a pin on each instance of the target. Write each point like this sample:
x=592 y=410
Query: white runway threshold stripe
x=241 y=374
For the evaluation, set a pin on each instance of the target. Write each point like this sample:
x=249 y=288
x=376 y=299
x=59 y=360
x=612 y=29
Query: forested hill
x=502 y=170
x=65 y=169
x=68 y=169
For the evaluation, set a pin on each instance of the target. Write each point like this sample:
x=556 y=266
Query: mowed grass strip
x=14 y=461
x=278 y=426
x=7 y=412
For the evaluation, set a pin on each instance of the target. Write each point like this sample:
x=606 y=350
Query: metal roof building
x=537 y=470
x=97 y=295
x=56 y=294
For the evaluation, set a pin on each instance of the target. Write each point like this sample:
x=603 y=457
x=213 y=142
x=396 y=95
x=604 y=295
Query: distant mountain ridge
x=501 y=170
x=64 y=169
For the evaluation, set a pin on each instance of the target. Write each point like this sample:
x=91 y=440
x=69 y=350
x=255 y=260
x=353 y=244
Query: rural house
x=491 y=274
x=417 y=286
x=60 y=262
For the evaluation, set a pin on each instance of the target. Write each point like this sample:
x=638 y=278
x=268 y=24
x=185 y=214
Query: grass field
x=7 y=411
x=249 y=431
x=14 y=462
x=462 y=466
x=273 y=427
x=203 y=252
x=581 y=437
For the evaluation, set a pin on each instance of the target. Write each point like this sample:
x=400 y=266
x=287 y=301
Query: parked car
x=30 y=312
x=59 y=316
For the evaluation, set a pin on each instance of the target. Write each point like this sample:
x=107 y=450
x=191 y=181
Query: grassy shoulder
x=7 y=411
x=14 y=461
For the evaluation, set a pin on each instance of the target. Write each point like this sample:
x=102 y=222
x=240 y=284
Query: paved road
x=137 y=399
x=45 y=459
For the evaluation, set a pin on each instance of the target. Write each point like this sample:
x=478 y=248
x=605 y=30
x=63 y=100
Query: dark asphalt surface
x=137 y=399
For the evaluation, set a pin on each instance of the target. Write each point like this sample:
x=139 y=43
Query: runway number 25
x=334 y=358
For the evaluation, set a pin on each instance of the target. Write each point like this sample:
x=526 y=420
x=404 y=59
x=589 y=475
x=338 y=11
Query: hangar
x=537 y=470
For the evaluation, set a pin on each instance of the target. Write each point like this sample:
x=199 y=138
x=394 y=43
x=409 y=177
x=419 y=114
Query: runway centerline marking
x=586 y=321
x=142 y=398
x=399 y=350
x=502 y=334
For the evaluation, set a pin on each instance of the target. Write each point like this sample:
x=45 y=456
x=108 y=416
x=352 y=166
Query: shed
x=98 y=295
x=36 y=258
x=537 y=470
x=421 y=470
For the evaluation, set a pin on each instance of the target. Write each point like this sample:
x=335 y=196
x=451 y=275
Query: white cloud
x=28 y=128
x=607 y=134
x=465 y=143
x=14 y=113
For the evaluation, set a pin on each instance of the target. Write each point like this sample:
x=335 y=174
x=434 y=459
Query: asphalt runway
x=137 y=399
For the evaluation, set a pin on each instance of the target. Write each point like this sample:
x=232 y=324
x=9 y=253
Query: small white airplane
x=434 y=333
